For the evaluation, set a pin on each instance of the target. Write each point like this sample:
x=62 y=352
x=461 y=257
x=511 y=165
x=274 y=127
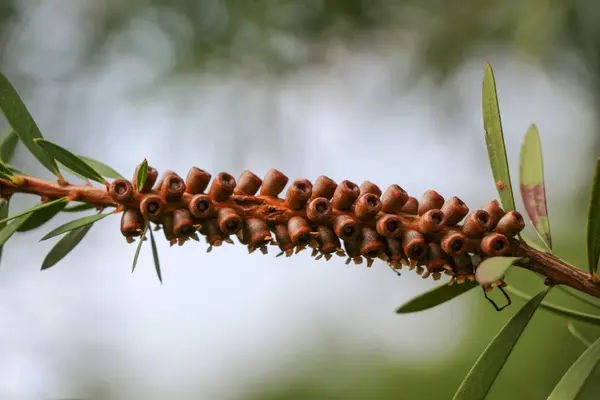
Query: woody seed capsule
x=229 y=221
x=454 y=243
x=121 y=190
x=431 y=221
x=222 y=187
x=182 y=222
x=318 y=210
x=167 y=226
x=511 y=224
x=414 y=245
x=247 y=184
x=273 y=183
x=454 y=211
x=496 y=212
x=463 y=265
x=328 y=240
x=152 y=207
x=214 y=236
x=411 y=206
x=367 y=206
x=201 y=206
x=370 y=187
x=394 y=248
x=389 y=226
x=324 y=187
x=172 y=187
x=435 y=259
x=495 y=244
x=196 y=181
x=132 y=222
x=431 y=200
x=257 y=232
x=352 y=248
x=298 y=194
x=160 y=181
x=345 y=195
x=393 y=199
x=345 y=227
x=476 y=224
x=283 y=237
x=371 y=244
x=299 y=230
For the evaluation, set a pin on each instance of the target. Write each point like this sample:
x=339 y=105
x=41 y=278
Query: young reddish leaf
x=70 y=160
x=493 y=269
x=78 y=223
x=41 y=216
x=142 y=175
x=102 y=168
x=139 y=247
x=482 y=375
x=155 y=256
x=533 y=188
x=434 y=297
x=8 y=144
x=23 y=124
x=494 y=140
x=65 y=245
x=36 y=208
x=593 y=225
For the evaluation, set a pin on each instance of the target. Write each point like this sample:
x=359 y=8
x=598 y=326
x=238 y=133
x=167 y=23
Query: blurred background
x=380 y=90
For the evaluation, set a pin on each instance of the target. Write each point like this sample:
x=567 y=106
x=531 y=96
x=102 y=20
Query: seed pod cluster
x=433 y=235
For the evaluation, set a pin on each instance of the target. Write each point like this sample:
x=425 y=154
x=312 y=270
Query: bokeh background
x=380 y=90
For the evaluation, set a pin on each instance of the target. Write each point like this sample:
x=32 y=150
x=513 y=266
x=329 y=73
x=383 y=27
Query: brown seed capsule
x=172 y=187
x=367 y=206
x=328 y=240
x=352 y=248
x=463 y=266
x=282 y=237
x=132 y=223
x=345 y=227
x=393 y=199
x=411 y=206
x=394 y=249
x=162 y=178
x=318 y=210
x=371 y=245
x=298 y=194
x=182 y=223
x=511 y=224
x=299 y=230
x=370 y=187
x=150 y=179
x=222 y=187
x=496 y=212
x=229 y=221
x=454 y=243
x=214 y=236
x=495 y=244
x=324 y=187
x=273 y=183
x=345 y=195
x=167 y=226
x=435 y=258
x=414 y=245
x=201 y=206
x=454 y=211
x=431 y=200
x=257 y=232
x=121 y=190
x=152 y=207
x=389 y=226
x=196 y=181
x=431 y=221
x=247 y=184
x=476 y=224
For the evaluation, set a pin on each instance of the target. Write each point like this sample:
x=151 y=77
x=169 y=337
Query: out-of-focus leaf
x=8 y=144
x=494 y=140
x=435 y=297
x=11 y=228
x=139 y=247
x=23 y=124
x=482 y=375
x=14 y=170
x=79 y=207
x=493 y=269
x=585 y=298
x=155 y=256
x=65 y=245
x=78 y=223
x=41 y=206
x=102 y=168
x=570 y=385
x=142 y=175
x=3 y=214
x=575 y=332
x=593 y=226
x=5 y=173
x=532 y=185
x=70 y=160
x=40 y=217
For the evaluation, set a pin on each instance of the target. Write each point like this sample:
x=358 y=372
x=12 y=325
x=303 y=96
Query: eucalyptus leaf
x=482 y=375
x=23 y=124
x=8 y=144
x=79 y=207
x=102 y=168
x=494 y=140
x=573 y=381
x=578 y=335
x=434 y=297
x=41 y=206
x=583 y=297
x=532 y=185
x=494 y=269
x=77 y=223
x=593 y=226
x=41 y=216
x=3 y=214
x=139 y=247
x=7 y=232
x=65 y=245
x=14 y=170
x=70 y=160
x=142 y=175
x=155 y=256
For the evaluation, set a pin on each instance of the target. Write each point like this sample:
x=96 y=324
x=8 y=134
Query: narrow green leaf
x=102 y=168
x=578 y=335
x=79 y=207
x=435 y=297
x=78 y=223
x=11 y=228
x=494 y=140
x=532 y=185
x=65 y=245
x=8 y=144
x=482 y=375
x=593 y=226
x=41 y=206
x=3 y=214
x=41 y=216
x=14 y=170
x=493 y=269
x=584 y=298
x=139 y=247
x=142 y=175
x=155 y=256
x=70 y=160
x=23 y=124
x=70 y=171
x=571 y=384
x=565 y=312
